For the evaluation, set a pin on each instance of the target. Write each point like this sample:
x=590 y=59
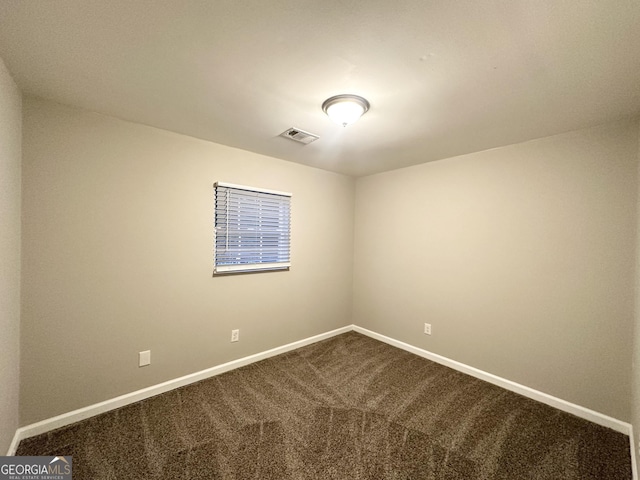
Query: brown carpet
x=346 y=408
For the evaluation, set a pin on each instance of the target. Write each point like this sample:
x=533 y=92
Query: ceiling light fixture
x=345 y=109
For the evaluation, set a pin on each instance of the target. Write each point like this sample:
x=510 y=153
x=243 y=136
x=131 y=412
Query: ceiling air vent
x=299 y=135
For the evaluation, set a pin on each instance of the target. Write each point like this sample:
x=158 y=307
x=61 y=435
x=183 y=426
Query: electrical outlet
x=144 y=358
x=427 y=329
x=235 y=335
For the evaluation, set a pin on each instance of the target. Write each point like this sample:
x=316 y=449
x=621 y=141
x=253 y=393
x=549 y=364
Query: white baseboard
x=577 y=410
x=634 y=461
x=14 y=443
x=102 y=407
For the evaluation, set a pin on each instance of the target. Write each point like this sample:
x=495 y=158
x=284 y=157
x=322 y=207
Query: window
x=252 y=229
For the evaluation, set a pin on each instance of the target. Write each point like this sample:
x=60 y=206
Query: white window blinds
x=252 y=229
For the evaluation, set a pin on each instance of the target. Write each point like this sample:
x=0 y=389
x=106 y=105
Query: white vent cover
x=299 y=135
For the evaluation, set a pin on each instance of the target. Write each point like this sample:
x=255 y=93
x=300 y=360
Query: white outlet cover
x=235 y=335
x=144 y=358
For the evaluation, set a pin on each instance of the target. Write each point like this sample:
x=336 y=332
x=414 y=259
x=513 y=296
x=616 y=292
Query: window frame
x=268 y=206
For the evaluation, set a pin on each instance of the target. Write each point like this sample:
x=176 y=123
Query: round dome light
x=345 y=109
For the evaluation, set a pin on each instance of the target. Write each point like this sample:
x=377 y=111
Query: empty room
x=319 y=240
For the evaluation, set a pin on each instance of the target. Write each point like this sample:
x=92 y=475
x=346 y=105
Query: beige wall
x=636 y=341
x=117 y=245
x=10 y=159
x=520 y=257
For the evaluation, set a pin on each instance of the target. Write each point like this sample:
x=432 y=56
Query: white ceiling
x=443 y=77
